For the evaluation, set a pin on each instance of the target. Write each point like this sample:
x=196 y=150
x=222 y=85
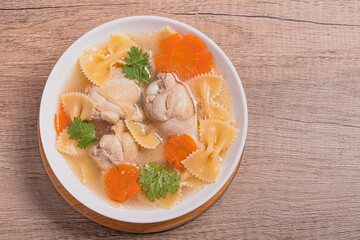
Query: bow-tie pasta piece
x=217 y=111
x=97 y=64
x=146 y=139
x=66 y=145
x=224 y=98
x=206 y=86
x=217 y=136
x=78 y=105
x=190 y=181
x=203 y=165
x=170 y=201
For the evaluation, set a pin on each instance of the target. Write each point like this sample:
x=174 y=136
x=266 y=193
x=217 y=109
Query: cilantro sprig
x=82 y=130
x=156 y=182
x=138 y=67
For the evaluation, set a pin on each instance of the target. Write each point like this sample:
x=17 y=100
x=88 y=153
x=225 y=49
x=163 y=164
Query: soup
x=145 y=119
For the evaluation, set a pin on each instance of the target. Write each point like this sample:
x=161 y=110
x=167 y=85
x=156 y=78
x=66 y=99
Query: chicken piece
x=114 y=149
x=116 y=99
x=169 y=104
x=130 y=147
x=104 y=109
x=107 y=152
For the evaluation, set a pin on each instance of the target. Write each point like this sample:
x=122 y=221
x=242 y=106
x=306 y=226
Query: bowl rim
x=43 y=114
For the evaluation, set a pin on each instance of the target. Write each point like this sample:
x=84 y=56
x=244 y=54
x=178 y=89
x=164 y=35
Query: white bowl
x=49 y=103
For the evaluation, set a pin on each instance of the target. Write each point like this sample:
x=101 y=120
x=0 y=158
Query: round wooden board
x=128 y=226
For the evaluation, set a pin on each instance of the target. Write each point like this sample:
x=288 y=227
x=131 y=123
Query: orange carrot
x=61 y=121
x=170 y=43
x=183 y=61
x=162 y=63
x=204 y=62
x=122 y=182
x=193 y=42
x=185 y=57
x=117 y=193
x=178 y=148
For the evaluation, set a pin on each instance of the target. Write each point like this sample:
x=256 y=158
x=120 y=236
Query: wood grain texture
x=299 y=64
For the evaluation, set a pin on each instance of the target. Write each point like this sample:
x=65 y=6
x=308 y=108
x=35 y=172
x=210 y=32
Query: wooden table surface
x=299 y=62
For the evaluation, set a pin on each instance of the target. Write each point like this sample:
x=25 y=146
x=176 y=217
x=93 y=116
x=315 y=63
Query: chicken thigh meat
x=169 y=104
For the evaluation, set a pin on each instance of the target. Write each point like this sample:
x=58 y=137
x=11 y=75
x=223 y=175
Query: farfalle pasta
x=205 y=163
x=206 y=88
x=190 y=181
x=78 y=105
x=146 y=139
x=66 y=145
x=153 y=121
x=170 y=201
x=98 y=63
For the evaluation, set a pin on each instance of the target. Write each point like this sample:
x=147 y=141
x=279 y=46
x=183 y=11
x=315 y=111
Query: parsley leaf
x=156 y=182
x=138 y=67
x=83 y=130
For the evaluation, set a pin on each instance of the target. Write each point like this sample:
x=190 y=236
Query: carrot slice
x=183 y=61
x=170 y=43
x=178 y=148
x=112 y=177
x=162 y=63
x=204 y=62
x=133 y=190
x=61 y=121
x=122 y=182
x=117 y=193
x=193 y=42
x=185 y=57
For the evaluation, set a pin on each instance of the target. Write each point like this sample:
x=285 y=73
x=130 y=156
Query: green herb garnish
x=82 y=130
x=138 y=67
x=156 y=182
